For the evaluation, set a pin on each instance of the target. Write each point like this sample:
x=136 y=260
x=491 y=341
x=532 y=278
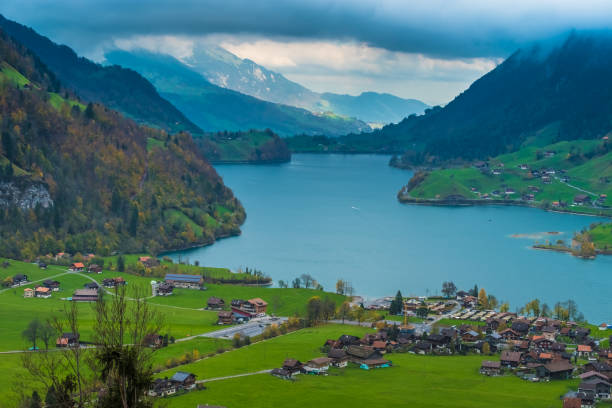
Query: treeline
x=109 y=192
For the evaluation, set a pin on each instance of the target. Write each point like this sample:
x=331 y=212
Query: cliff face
x=24 y=195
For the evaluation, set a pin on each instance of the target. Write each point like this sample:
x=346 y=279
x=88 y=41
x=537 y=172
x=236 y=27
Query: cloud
x=436 y=28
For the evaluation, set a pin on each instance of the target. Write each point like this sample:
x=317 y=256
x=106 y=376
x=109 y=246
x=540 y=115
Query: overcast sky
x=429 y=50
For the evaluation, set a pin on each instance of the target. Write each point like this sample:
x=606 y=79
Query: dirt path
x=232 y=376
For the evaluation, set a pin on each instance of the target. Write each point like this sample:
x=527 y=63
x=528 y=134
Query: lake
x=337 y=216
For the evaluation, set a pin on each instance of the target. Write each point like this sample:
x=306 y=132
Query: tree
x=422 y=312
x=32 y=332
x=120 y=263
x=314 y=310
x=46 y=334
x=474 y=291
x=486 y=349
x=492 y=302
x=307 y=280
x=133 y=227
x=482 y=299
x=572 y=309
x=358 y=313
x=296 y=283
x=449 y=289
x=35 y=401
x=283 y=284
x=545 y=310
x=8 y=146
x=397 y=304
x=344 y=310
x=340 y=287
x=505 y=307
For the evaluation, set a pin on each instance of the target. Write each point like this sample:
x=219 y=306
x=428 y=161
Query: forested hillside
x=82 y=178
x=115 y=87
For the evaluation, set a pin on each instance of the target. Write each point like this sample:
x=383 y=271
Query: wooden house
x=490 y=368
x=318 y=366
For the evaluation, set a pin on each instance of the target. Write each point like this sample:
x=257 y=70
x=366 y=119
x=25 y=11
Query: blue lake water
x=337 y=216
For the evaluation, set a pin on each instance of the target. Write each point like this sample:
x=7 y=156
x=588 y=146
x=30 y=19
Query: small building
x=597 y=386
x=85 y=295
x=584 y=351
x=339 y=358
x=581 y=199
x=179 y=280
x=20 y=279
x=215 y=303
x=77 y=267
x=183 y=380
x=318 y=366
x=161 y=289
x=162 y=387
x=225 y=317
x=572 y=402
x=281 y=373
x=113 y=282
x=67 y=340
x=28 y=293
x=293 y=366
x=510 y=358
x=557 y=369
x=149 y=262
x=42 y=292
x=94 y=268
x=490 y=368
x=375 y=363
x=51 y=284
x=153 y=340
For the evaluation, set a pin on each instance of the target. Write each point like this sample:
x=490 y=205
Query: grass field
x=413 y=381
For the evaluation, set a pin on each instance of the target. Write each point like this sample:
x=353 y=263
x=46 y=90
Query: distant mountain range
x=225 y=69
x=214 y=108
x=118 y=88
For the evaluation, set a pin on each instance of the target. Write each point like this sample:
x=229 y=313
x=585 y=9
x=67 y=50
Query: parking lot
x=254 y=327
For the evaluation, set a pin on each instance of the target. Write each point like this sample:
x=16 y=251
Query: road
x=232 y=376
x=253 y=328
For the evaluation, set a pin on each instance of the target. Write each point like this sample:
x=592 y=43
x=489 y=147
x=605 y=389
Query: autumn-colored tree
x=482 y=299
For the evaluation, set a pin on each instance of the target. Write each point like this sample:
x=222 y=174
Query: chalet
x=162 y=387
x=318 y=366
x=77 y=267
x=358 y=354
x=225 y=317
x=51 y=284
x=534 y=189
x=42 y=265
x=281 y=373
x=591 y=375
x=292 y=366
x=597 y=386
x=438 y=340
x=490 y=368
x=509 y=334
x=149 y=262
x=380 y=346
x=600 y=367
x=93 y=268
x=91 y=285
x=28 y=293
x=582 y=332
x=20 y=279
x=249 y=308
x=179 y=280
x=259 y=306
x=581 y=199
x=510 y=358
x=183 y=380
x=558 y=347
x=470 y=336
x=215 y=303
x=67 y=340
x=42 y=292
x=520 y=326
x=85 y=295
x=153 y=340
x=423 y=347
x=347 y=340
x=113 y=282
x=584 y=351
x=161 y=289
x=557 y=369
x=375 y=363
x=542 y=343
x=339 y=358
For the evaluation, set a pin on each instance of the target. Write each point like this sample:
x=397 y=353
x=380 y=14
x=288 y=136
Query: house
x=215 y=303
x=258 y=305
x=249 y=308
x=481 y=165
x=161 y=289
x=148 y=261
x=375 y=363
x=293 y=366
x=581 y=199
x=162 y=387
x=42 y=265
x=281 y=373
x=77 y=267
x=520 y=326
x=179 y=280
x=510 y=358
x=470 y=336
x=584 y=351
x=225 y=317
x=597 y=386
x=339 y=358
x=592 y=374
x=28 y=293
x=358 y=354
x=509 y=334
x=490 y=368
x=347 y=340
x=42 y=292
x=318 y=366
x=380 y=346
x=113 y=282
x=183 y=380
x=51 y=284
x=556 y=369
x=542 y=343
x=153 y=340
x=572 y=402
x=85 y=295
x=93 y=268
x=67 y=340
x=20 y=279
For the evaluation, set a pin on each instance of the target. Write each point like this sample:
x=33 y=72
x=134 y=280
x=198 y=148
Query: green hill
x=121 y=89
x=81 y=178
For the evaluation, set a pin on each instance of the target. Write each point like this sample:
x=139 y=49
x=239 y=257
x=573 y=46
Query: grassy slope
x=588 y=175
x=419 y=381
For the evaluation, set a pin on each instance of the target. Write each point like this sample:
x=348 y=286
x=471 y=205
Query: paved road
x=252 y=328
x=232 y=376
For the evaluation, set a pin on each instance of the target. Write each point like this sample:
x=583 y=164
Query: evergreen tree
x=133 y=227
x=120 y=263
x=35 y=401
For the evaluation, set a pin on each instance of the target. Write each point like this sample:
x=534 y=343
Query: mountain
x=225 y=69
x=83 y=178
x=214 y=108
x=117 y=88
x=560 y=93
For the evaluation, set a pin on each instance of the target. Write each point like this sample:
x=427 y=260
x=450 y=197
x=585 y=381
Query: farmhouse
x=598 y=387
x=77 y=267
x=162 y=387
x=179 y=280
x=292 y=366
x=67 y=340
x=510 y=358
x=51 y=284
x=148 y=261
x=113 y=282
x=85 y=295
x=375 y=363
x=215 y=303
x=42 y=292
x=557 y=369
x=225 y=317
x=581 y=199
x=339 y=358
x=318 y=366
x=183 y=380
x=20 y=279
x=28 y=293
x=490 y=368
x=94 y=268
